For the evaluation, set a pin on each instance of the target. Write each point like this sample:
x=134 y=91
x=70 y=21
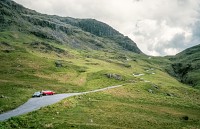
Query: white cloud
x=159 y=27
x=158 y=38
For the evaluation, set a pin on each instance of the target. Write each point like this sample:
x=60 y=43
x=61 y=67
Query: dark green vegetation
x=42 y=52
x=186 y=66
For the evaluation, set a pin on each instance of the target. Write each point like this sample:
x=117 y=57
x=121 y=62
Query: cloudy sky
x=159 y=27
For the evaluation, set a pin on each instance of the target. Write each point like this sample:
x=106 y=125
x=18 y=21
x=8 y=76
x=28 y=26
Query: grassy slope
x=187 y=66
x=27 y=68
x=131 y=106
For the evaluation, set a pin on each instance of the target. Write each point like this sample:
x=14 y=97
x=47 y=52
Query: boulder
x=150 y=90
x=2 y=96
x=155 y=86
x=58 y=64
x=115 y=76
x=169 y=94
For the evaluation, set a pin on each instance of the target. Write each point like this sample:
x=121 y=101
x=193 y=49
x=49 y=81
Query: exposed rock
x=2 y=96
x=91 y=120
x=138 y=74
x=155 y=86
x=58 y=64
x=169 y=94
x=115 y=76
x=150 y=90
x=45 y=48
x=146 y=81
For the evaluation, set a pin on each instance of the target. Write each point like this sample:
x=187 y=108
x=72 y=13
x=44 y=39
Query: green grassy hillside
x=150 y=101
x=186 y=66
x=42 y=52
x=33 y=46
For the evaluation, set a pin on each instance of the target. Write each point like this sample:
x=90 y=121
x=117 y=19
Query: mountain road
x=36 y=103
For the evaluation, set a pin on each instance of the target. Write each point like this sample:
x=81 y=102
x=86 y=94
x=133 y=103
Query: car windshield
x=36 y=93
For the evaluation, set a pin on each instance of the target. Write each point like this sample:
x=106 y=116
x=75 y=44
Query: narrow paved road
x=36 y=103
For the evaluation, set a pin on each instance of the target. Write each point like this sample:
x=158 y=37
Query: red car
x=47 y=92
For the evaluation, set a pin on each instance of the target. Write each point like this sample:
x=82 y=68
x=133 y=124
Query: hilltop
x=83 y=34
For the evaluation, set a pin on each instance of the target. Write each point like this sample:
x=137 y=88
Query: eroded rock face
x=45 y=47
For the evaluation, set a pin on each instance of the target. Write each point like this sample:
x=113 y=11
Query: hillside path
x=36 y=103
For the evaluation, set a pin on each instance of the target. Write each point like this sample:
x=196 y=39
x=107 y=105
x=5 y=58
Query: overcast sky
x=159 y=27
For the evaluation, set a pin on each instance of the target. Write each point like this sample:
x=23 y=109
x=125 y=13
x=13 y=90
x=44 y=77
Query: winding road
x=36 y=103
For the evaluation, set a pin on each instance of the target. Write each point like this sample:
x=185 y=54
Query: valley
x=68 y=55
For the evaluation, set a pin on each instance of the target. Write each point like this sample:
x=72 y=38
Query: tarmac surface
x=34 y=104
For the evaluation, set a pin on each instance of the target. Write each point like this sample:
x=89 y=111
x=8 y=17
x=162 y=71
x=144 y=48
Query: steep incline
x=84 y=34
x=186 y=66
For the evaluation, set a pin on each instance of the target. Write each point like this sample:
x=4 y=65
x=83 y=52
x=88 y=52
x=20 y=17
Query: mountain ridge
x=59 y=27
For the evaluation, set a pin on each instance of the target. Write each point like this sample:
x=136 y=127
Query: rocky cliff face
x=77 y=33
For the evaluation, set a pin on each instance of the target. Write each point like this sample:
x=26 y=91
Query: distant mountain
x=86 y=34
x=186 y=66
